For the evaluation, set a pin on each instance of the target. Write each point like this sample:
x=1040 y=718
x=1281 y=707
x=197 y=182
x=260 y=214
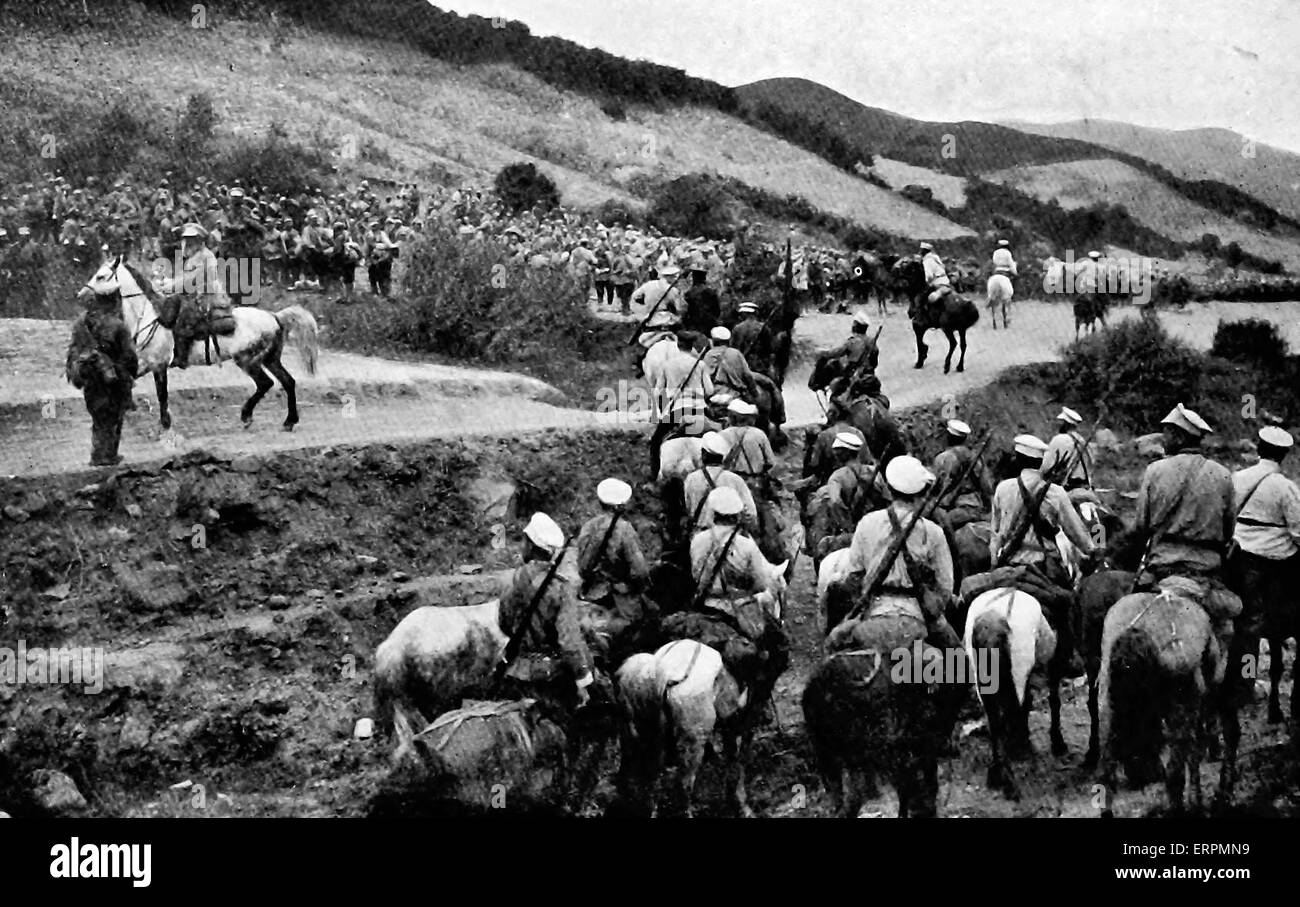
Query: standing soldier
x=1262 y=561
x=379 y=255
x=1068 y=446
x=553 y=664
x=102 y=363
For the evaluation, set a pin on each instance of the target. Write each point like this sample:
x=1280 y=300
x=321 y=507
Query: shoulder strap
x=913 y=569
x=1250 y=494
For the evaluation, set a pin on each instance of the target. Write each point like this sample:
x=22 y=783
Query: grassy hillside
x=1271 y=175
x=388 y=109
x=1078 y=184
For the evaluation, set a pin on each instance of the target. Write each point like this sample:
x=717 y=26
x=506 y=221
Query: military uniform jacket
x=952 y=462
x=699 y=483
x=621 y=567
x=101 y=331
x=1190 y=499
x=925 y=544
x=754 y=341
x=553 y=630
x=1055 y=513
x=1067 y=448
x=744 y=572
x=728 y=368
x=1268 y=525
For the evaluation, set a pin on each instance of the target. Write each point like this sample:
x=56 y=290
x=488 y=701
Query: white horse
x=255 y=346
x=1000 y=292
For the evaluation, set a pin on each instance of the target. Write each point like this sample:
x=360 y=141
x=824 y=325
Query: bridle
x=151 y=326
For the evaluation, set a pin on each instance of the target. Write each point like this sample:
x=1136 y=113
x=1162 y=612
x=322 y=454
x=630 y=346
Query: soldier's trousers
x=107 y=407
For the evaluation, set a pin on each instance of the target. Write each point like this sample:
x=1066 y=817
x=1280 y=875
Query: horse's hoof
x=961 y=368
x=288 y=426
x=918 y=365
x=247 y=423
x=948 y=369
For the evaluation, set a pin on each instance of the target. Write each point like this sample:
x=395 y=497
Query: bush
x=283 y=166
x=1253 y=341
x=694 y=205
x=1141 y=373
x=463 y=302
x=522 y=186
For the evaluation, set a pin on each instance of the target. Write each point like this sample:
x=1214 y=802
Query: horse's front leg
x=921 y=348
x=734 y=747
x=264 y=384
x=952 y=346
x=1090 y=758
x=1054 y=701
x=961 y=363
x=160 y=388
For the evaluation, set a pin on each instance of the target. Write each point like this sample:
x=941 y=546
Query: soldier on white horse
x=1000 y=289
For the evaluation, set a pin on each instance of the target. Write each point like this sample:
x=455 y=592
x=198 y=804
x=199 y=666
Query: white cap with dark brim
x=720 y=333
x=1029 y=446
x=715 y=443
x=741 y=408
x=846 y=440
x=545 y=533
x=1275 y=436
x=862 y=319
x=957 y=428
x=1188 y=421
x=1068 y=415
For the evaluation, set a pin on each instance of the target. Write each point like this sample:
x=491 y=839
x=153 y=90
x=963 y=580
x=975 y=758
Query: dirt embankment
x=238 y=604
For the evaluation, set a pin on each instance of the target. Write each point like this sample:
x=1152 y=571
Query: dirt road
x=357 y=399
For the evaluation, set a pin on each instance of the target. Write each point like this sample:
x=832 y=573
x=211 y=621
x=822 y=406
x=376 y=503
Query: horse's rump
x=1178 y=628
x=1000 y=289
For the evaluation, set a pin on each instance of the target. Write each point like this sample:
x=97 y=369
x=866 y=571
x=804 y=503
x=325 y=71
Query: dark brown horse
x=951 y=313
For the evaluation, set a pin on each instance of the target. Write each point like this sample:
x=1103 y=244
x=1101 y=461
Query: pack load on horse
x=716 y=674
x=899 y=578
x=932 y=303
x=1000 y=289
x=255 y=345
x=1184 y=622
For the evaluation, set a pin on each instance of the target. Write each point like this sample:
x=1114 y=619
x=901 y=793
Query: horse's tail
x=301 y=327
x=1134 y=695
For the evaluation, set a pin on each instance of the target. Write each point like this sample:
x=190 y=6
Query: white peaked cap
x=907 y=475
x=1030 y=446
x=1003 y=242
x=1188 y=421
x=1278 y=437
x=847 y=440
x=747 y=307
x=741 y=408
x=1068 y=415
x=715 y=443
x=958 y=428
x=861 y=318
x=929 y=247
x=720 y=333
x=725 y=502
x=614 y=492
x=545 y=533
x=1094 y=254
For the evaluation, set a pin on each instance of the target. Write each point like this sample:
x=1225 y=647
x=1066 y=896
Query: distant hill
x=1272 y=175
x=963 y=148
x=1079 y=184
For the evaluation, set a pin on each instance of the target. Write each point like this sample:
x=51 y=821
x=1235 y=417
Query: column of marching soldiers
x=1225 y=542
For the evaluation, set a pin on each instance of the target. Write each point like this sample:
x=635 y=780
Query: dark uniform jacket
x=101 y=355
x=553 y=631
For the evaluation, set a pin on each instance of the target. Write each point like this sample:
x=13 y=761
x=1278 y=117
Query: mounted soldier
x=703 y=307
x=713 y=474
x=196 y=295
x=936 y=274
x=1068 y=447
x=918 y=583
x=1028 y=511
x=613 y=573
x=967 y=501
x=727 y=366
x=753 y=339
x=552 y=663
x=663 y=305
x=1186 y=511
x=857 y=356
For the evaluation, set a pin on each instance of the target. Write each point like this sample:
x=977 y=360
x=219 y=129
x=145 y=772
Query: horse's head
x=105 y=281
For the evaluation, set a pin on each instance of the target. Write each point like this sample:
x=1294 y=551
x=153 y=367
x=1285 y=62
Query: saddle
x=753 y=645
x=1026 y=578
